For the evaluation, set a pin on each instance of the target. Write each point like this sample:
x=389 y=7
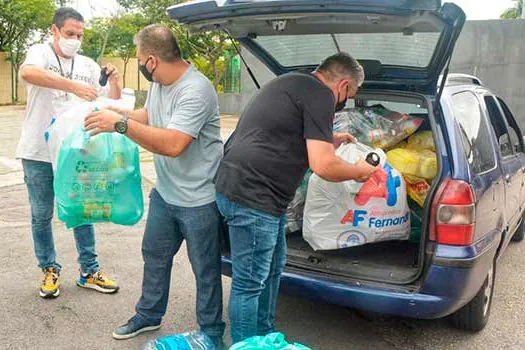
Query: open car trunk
x=396 y=261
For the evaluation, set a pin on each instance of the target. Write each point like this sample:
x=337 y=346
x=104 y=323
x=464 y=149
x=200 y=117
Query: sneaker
x=133 y=328
x=97 y=281
x=50 y=284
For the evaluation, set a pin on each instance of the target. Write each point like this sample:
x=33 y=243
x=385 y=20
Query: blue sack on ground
x=272 y=341
x=98 y=179
x=196 y=340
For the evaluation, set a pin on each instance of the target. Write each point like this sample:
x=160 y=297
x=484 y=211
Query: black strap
x=60 y=65
x=257 y=85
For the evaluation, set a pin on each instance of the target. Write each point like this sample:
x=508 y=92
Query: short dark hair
x=159 y=40
x=65 y=13
x=340 y=66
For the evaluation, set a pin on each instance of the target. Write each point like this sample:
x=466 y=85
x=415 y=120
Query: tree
x=22 y=23
x=19 y=18
x=205 y=50
x=96 y=36
x=120 y=41
x=514 y=12
x=152 y=11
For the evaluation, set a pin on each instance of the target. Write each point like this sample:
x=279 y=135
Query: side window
x=514 y=131
x=474 y=131
x=500 y=126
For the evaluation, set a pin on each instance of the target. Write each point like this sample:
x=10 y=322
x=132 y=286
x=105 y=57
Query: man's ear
x=54 y=29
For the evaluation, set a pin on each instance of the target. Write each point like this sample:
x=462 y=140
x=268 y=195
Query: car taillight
x=453 y=213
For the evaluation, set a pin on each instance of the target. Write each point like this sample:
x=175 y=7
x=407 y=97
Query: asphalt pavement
x=85 y=319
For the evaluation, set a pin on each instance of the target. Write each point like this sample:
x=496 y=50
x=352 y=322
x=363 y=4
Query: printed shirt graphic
x=42 y=103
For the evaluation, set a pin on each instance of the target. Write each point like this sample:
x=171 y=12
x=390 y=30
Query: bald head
x=158 y=40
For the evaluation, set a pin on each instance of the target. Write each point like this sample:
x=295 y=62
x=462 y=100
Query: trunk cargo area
x=383 y=261
x=396 y=262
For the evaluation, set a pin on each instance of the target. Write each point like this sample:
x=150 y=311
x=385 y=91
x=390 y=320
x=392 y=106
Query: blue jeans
x=38 y=177
x=166 y=228
x=258 y=253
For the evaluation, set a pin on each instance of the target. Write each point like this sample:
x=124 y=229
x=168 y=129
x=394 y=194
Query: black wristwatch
x=122 y=125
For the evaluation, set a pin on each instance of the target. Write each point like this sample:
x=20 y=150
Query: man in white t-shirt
x=56 y=74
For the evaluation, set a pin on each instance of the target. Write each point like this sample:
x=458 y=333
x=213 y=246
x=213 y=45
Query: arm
x=166 y=142
x=114 y=91
x=138 y=115
x=190 y=113
x=114 y=82
x=324 y=162
x=41 y=77
x=343 y=137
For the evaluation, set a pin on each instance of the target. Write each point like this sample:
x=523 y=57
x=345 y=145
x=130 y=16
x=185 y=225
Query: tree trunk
x=138 y=76
x=214 y=70
x=16 y=68
x=13 y=97
x=125 y=70
x=104 y=43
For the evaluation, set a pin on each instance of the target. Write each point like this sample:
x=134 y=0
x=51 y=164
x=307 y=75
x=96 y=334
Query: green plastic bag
x=272 y=341
x=98 y=180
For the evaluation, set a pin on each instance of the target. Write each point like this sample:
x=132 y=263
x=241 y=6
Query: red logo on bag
x=354 y=217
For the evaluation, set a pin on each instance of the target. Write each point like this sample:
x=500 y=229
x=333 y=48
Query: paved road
x=82 y=319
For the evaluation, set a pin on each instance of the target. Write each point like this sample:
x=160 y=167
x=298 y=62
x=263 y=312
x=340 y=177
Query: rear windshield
x=394 y=49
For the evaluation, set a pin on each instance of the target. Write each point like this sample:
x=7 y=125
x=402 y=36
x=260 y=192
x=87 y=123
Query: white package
x=339 y=215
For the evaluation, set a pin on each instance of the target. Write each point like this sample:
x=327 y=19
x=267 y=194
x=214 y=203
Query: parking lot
x=83 y=319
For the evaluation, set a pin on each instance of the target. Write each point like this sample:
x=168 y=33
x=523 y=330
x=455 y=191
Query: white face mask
x=69 y=46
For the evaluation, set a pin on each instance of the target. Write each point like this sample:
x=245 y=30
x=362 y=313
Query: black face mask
x=339 y=106
x=147 y=74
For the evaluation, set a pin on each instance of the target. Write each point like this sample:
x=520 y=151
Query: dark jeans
x=38 y=177
x=166 y=227
x=258 y=249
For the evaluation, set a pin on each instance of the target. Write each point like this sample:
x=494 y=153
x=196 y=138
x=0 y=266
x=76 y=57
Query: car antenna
x=243 y=61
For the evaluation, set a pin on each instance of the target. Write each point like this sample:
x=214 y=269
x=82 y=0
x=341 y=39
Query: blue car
x=475 y=204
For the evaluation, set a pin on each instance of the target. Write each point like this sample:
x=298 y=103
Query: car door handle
x=508 y=178
x=523 y=170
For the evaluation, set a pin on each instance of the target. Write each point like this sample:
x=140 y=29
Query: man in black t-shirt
x=286 y=128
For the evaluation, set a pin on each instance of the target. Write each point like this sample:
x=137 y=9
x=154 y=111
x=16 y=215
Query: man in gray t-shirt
x=180 y=125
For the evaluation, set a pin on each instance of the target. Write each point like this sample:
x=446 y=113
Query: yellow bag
x=419 y=163
x=421 y=140
x=417 y=189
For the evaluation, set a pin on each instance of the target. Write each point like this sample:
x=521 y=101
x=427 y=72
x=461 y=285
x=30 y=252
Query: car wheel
x=474 y=315
x=520 y=232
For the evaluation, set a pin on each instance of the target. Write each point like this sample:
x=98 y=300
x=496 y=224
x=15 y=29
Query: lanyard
x=60 y=66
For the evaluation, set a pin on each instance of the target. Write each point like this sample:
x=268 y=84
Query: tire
x=520 y=232
x=474 y=316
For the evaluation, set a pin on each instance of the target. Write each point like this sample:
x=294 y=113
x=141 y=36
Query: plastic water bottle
x=195 y=340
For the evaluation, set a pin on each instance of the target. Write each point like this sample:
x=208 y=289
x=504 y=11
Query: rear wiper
x=243 y=61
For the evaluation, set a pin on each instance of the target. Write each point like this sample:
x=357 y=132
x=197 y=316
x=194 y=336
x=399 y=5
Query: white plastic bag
x=350 y=213
x=70 y=117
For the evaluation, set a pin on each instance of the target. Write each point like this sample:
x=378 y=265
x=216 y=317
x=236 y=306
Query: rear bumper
x=449 y=284
x=362 y=296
